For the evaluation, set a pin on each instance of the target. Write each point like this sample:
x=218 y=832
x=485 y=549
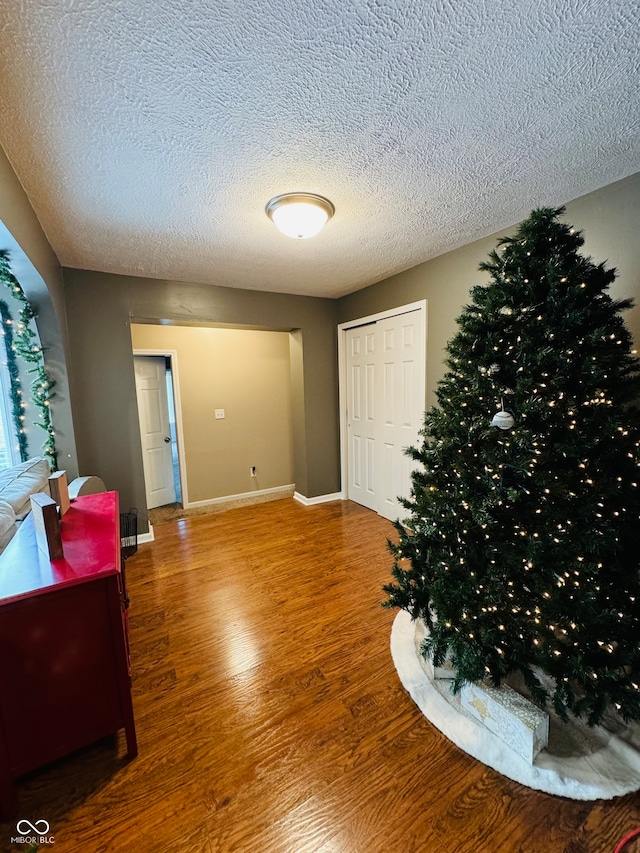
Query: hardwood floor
x=270 y=717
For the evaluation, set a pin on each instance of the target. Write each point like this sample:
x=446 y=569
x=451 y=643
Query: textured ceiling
x=149 y=135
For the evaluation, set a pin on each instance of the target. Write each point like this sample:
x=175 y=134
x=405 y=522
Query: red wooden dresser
x=64 y=666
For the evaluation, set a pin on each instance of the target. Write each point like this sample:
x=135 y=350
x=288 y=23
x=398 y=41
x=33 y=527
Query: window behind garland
x=9 y=449
x=22 y=353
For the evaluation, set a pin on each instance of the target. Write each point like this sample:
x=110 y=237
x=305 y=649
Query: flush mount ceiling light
x=300 y=215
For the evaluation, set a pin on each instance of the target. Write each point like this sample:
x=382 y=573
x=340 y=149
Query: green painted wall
x=100 y=309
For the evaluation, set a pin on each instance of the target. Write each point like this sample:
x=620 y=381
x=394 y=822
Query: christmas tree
x=521 y=550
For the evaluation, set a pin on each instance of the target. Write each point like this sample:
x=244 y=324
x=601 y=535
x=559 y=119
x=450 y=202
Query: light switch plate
x=219 y=414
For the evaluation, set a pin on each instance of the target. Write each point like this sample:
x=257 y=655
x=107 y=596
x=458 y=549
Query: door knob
x=167 y=440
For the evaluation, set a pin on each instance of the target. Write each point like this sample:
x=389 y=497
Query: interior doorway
x=159 y=433
x=382 y=362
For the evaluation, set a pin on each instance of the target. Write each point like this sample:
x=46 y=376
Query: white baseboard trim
x=243 y=496
x=146 y=537
x=320 y=499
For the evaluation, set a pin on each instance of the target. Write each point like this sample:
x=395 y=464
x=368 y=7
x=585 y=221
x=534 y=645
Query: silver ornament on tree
x=502 y=419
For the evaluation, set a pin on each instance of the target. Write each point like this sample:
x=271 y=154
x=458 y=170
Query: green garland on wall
x=23 y=341
x=15 y=392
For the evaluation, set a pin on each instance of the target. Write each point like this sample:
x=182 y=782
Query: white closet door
x=385 y=408
x=401 y=394
x=361 y=415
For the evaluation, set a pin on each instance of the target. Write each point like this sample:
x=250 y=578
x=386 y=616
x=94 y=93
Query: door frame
x=420 y=306
x=177 y=405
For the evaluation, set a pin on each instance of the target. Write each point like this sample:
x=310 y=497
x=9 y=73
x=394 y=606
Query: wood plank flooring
x=270 y=717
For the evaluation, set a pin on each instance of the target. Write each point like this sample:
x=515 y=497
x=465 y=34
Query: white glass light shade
x=300 y=215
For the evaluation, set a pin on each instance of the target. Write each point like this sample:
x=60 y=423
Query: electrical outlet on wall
x=253 y=471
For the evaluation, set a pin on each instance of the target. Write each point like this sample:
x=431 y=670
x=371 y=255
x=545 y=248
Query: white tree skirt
x=580 y=762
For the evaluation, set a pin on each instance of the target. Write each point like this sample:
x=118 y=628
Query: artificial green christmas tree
x=521 y=549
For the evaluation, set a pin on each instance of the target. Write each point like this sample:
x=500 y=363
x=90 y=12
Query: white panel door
x=153 y=411
x=401 y=390
x=385 y=377
x=361 y=415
